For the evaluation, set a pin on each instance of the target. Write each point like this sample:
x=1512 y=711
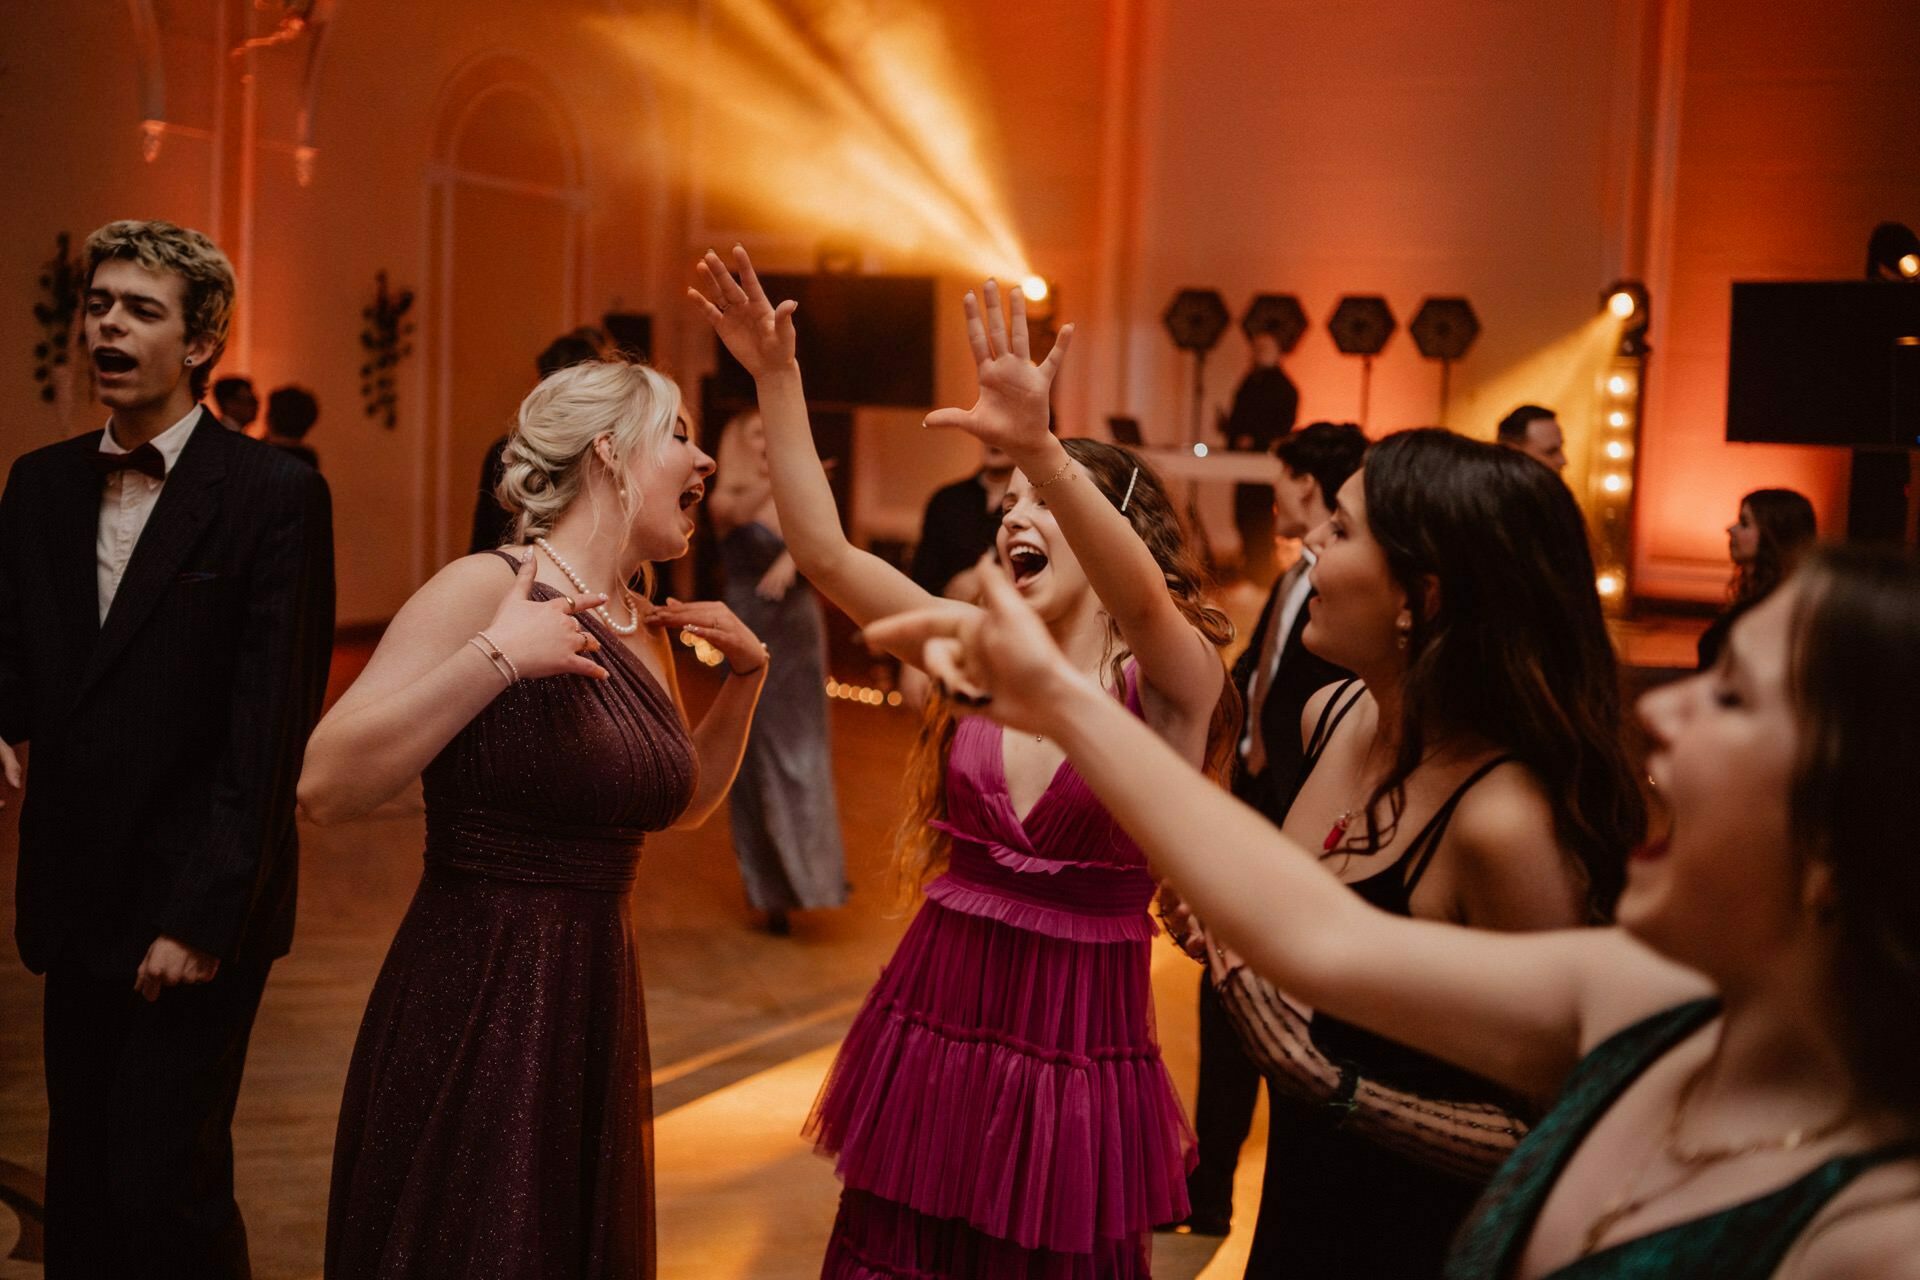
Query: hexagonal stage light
x=1195 y=319
x=1444 y=328
x=1279 y=314
x=1361 y=324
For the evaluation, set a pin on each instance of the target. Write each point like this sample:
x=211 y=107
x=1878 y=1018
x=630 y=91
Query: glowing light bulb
x=1609 y=584
x=1616 y=450
x=1617 y=419
x=1199 y=450
x=1910 y=264
x=1621 y=304
x=1619 y=385
x=1035 y=287
x=1614 y=483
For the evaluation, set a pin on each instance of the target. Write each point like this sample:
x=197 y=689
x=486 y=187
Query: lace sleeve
x=1467 y=1139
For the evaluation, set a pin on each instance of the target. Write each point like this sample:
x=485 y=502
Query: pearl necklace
x=633 y=606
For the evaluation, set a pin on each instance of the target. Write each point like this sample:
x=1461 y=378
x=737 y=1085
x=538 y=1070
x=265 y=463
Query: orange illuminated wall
x=1797 y=132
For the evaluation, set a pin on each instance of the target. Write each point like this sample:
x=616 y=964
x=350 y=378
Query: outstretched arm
x=1469 y=1139
x=1176 y=662
x=1512 y=1008
x=761 y=337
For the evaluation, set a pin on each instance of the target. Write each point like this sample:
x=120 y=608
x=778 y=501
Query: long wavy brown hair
x=921 y=851
x=1515 y=655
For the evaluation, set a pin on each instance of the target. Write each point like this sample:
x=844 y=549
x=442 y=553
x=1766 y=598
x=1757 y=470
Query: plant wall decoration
x=386 y=342
x=62 y=279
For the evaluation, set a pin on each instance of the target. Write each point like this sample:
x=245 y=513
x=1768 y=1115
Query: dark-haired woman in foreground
x=999 y=1107
x=1472 y=774
x=1738 y=1065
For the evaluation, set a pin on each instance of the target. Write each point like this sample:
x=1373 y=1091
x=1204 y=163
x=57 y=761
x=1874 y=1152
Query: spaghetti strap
x=517 y=564
x=1330 y=717
x=1420 y=852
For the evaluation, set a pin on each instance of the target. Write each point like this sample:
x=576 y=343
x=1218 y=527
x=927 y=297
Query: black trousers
x=139 y=1144
x=1223 y=1105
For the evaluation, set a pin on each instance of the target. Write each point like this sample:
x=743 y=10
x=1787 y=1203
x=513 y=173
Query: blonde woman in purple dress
x=999 y=1107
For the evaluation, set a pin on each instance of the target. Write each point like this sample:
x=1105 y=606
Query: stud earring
x=189 y=362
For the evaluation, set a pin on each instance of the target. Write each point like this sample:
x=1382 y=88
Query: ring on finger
x=572 y=606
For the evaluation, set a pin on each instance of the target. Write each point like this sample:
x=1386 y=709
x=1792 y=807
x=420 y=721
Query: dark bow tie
x=145 y=459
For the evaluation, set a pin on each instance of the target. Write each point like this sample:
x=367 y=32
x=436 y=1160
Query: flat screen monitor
x=1831 y=362
x=863 y=340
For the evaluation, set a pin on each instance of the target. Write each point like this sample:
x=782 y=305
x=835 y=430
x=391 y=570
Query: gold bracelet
x=1056 y=475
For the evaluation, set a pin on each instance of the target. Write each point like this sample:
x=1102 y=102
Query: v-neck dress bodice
x=999 y=1107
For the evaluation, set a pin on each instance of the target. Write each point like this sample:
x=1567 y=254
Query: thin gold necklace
x=1696 y=1160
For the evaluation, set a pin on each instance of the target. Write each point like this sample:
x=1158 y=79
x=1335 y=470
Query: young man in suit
x=166 y=619
x=1276 y=675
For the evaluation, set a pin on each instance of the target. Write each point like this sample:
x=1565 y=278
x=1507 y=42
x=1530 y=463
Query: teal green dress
x=1744 y=1242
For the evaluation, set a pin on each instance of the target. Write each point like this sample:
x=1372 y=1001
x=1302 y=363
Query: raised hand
x=998 y=658
x=717 y=625
x=759 y=334
x=542 y=637
x=1011 y=411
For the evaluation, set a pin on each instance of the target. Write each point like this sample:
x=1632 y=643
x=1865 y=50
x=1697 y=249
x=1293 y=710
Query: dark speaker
x=1834 y=363
x=863 y=340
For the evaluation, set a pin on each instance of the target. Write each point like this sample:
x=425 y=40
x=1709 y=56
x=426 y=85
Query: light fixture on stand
x=1443 y=329
x=1614 y=461
x=1360 y=326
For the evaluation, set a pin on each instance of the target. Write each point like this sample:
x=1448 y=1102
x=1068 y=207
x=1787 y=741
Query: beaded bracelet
x=501 y=662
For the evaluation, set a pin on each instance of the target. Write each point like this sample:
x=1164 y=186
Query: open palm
x=759 y=334
x=1011 y=411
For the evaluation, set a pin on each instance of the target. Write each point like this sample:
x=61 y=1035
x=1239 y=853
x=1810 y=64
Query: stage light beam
x=850 y=120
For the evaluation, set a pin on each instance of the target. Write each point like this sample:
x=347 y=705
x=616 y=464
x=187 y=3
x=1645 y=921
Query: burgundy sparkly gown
x=497 y=1117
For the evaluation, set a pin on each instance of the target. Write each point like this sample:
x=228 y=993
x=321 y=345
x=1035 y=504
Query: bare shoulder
x=1505 y=817
x=456 y=601
x=1870 y=1231
x=1317 y=706
x=1624 y=981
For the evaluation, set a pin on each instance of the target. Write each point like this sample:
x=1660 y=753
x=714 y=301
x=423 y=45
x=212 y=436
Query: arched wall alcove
x=506 y=200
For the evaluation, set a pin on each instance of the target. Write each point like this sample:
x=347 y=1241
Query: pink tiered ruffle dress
x=999 y=1107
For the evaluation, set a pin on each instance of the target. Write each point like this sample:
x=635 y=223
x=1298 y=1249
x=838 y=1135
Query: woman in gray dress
x=786 y=822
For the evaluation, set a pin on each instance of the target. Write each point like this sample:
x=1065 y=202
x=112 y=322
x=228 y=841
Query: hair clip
x=1131 y=481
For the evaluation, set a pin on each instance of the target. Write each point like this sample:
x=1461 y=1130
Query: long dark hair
x=1513 y=652
x=1855 y=682
x=1787 y=530
x=1123 y=478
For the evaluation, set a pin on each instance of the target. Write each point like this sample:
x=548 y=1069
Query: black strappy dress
x=1335 y=1204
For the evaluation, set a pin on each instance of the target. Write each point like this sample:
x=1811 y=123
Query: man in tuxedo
x=1276 y=676
x=1535 y=431
x=166 y=619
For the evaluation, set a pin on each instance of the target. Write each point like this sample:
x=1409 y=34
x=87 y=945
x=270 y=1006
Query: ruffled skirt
x=999 y=1108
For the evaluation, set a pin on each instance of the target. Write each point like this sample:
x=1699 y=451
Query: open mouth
x=110 y=360
x=691 y=495
x=1026 y=562
x=1659 y=825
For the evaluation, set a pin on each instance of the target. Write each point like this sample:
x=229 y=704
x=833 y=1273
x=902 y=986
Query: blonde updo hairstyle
x=544 y=468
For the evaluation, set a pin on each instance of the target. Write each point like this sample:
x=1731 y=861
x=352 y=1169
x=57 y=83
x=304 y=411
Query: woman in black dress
x=496 y=1121
x=1472 y=775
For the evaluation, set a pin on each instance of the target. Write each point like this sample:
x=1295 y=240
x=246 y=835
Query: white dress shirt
x=1267 y=666
x=126 y=501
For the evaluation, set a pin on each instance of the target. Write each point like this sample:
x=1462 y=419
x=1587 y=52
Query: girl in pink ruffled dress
x=999 y=1107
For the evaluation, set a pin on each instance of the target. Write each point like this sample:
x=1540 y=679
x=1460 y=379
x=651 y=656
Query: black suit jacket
x=167 y=740
x=1298 y=677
